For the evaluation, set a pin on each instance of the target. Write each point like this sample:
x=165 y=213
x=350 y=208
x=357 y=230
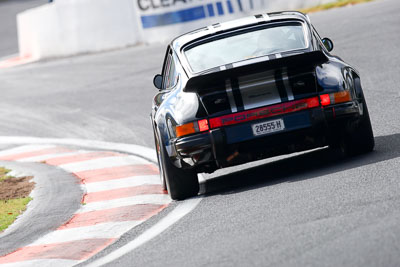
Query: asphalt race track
x=312 y=209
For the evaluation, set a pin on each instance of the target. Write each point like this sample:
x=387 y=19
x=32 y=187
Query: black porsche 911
x=249 y=89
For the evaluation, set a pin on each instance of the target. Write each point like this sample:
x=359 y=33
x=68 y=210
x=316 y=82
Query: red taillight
x=335 y=98
x=203 y=125
x=264 y=112
x=191 y=128
x=325 y=100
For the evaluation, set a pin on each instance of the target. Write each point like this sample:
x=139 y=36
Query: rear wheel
x=360 y=140
x=180 y=183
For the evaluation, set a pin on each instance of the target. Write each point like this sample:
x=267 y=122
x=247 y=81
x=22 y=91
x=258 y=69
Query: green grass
x=3 y=173
x=338 y=3
x=10 y=209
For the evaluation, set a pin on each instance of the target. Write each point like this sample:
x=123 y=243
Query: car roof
x=186 y=38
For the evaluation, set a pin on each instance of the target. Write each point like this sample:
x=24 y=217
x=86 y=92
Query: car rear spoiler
x=214 y=78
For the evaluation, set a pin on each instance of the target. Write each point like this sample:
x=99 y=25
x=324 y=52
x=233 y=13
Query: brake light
x=325 y=99
x=335 y=98
x=203 y=125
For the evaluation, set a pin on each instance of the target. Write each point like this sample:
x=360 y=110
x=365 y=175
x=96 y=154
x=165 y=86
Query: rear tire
x=180 y=183
x=361 y=140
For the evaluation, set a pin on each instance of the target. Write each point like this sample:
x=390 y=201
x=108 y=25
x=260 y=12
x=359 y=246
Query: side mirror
x=328 y=44
x=157 y=81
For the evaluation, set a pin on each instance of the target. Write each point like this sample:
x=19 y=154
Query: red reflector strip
x=312 y=102
x=264 y=112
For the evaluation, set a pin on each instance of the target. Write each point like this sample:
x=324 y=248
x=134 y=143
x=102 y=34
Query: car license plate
x=268 y=127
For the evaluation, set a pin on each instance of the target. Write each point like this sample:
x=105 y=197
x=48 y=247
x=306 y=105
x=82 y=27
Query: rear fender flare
x=357 y=87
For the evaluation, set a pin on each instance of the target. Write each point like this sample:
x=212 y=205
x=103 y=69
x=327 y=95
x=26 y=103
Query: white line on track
x=122 y=183
x=178 y=213
x=157 y=199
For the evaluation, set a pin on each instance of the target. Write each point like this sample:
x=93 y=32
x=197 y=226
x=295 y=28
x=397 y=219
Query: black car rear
x=219 y=109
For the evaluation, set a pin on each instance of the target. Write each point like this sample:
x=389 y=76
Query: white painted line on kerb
x=53 y=156
x=123 y=183
x=102 y=230
x=101 y=163
x=178 y=213
x=24 y=149
x=155 y=199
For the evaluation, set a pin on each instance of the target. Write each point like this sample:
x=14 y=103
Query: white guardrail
x=69 y=27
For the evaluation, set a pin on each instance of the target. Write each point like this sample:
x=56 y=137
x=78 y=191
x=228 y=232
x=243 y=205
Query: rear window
x=246 y=44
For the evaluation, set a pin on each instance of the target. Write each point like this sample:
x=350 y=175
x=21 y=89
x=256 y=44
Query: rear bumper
x=236 y=144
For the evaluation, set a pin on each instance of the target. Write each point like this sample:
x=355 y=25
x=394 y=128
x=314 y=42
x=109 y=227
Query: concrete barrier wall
x=68 y=27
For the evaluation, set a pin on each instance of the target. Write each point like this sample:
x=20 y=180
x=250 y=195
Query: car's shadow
x=305 y=166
